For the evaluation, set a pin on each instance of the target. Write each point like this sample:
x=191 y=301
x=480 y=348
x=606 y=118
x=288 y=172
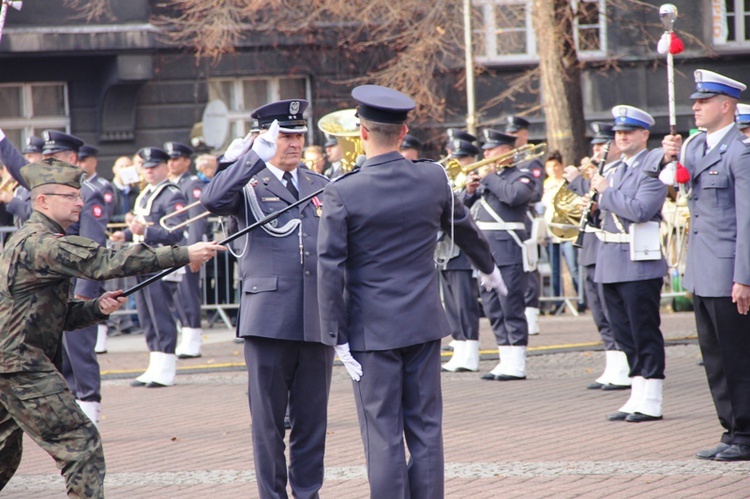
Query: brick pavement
x=544 y=437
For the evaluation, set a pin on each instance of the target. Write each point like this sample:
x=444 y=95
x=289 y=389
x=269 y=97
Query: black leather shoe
x=637 y=417
x=609 y=387
x=594 y=386
x=135 y=382
x=154 y=384
x=710 y=454
x=508 y=377
x=488 y=376
x=735 y=452
x=617 y=416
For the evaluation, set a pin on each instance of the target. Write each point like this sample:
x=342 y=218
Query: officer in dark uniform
x=519 y=128
x=500 y=206
x=79 y=363
x=379 y=296
x=616 y=370
x=286 y=362
x=632 y=280
x=454 y=133
x=718 y=255
x=743 y=119
x=410 y=147
x=88 y=160
x=155 y=302
x=458 y=286
x=188 y=290
x=333 y=158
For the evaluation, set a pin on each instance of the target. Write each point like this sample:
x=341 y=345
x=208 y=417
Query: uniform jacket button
x=307 y=273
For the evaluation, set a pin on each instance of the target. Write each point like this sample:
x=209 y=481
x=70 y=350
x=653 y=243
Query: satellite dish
x=215 y=123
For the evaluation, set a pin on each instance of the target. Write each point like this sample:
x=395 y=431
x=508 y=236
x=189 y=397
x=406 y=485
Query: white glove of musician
x=350 y=363
x=238 y=147
x=667 y=175
x=493 y=281
x=2 y=134
x=265 y=145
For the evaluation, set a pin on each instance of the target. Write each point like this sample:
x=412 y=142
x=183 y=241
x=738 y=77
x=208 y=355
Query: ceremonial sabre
x=263 y=221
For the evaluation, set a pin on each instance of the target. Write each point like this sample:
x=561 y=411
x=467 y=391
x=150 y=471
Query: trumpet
x=163 y=220
x=516 y=157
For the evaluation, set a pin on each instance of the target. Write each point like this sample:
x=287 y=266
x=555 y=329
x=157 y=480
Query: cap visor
x=512 y=129
x=704 y=95
x=626 y=128
x=150 y=164
x=291 y=130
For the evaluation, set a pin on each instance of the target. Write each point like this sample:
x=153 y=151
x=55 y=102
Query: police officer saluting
x=188 y=289
x=718 y=255
x=630 y=264
x=286 y=362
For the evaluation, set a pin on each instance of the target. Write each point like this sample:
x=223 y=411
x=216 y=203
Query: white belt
x=609 y=237
x=591 y=230
x=501 y=225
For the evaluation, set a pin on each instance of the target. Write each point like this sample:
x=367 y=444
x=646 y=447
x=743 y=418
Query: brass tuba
x=564 y=216
x=516 y=156
x=343 y=125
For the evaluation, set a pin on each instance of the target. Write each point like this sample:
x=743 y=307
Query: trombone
x=163 y=220
x=516 y=157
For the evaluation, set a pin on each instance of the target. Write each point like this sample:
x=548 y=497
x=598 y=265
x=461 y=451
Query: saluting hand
x=111 y=301
x=238 y=147
x=265 y=145
x=202 y=252
x=741 y=296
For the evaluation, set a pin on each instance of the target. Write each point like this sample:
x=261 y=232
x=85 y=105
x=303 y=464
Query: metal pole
x=471 y=118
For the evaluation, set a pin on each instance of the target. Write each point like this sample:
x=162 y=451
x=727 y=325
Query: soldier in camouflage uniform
x=36 y=268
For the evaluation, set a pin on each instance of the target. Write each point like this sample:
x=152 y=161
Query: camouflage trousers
x=41 y=405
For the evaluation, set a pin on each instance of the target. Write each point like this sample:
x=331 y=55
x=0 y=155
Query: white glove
x=667 y=175
x=350 y=363
x=494 y=281
x=265 y=145
x=238 y=147
x=2 y=134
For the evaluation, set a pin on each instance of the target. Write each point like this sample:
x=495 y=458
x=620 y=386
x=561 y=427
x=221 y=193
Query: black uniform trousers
x=80 y=365
x=155 y=304
x=506 y=313
x=594 y=294
x=399 y=398
x=188 y=299
x=460 y=302
x=633 y=309
x=723 y=337
x=297 y=373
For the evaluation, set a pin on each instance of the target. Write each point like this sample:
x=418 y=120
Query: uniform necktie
x=290 y=185
x=144 y=199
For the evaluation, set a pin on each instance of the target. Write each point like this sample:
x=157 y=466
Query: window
x=29 y=108
x=730 y=22
x=242 y=95
x=503 y=30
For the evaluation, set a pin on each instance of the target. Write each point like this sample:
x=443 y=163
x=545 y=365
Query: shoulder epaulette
x=347 y=174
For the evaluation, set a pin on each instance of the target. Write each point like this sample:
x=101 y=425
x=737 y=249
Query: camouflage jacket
x=36 y=268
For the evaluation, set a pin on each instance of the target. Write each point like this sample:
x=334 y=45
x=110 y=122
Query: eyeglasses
x=72 y=197
x=361 y=125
